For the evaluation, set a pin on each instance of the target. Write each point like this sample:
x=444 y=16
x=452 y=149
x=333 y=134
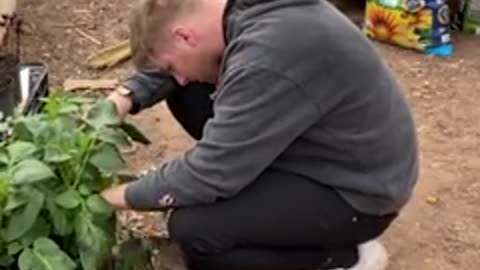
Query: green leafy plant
x=53 y=165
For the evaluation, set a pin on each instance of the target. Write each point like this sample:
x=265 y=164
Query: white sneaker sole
x=372 y=256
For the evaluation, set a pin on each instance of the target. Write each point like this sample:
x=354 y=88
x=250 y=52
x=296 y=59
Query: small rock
x=417 y=94
x=431 y=199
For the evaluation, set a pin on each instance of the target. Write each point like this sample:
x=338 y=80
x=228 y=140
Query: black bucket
x=7 y=97
x=38 y=82
x=9 y=84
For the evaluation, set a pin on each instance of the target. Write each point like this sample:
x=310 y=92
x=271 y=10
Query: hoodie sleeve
x=257 y=114
x=149 y=86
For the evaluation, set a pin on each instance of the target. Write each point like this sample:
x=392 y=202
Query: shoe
x=372 y=256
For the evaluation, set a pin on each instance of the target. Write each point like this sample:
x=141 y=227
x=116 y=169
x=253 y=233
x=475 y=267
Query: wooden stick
x=71 y=85
x=68 y=25
x=7 y=7
x=87 y=36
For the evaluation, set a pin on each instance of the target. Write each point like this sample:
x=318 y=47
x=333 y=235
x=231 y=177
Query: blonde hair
x=149 y=26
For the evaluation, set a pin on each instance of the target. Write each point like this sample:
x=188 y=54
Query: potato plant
x=53 y=165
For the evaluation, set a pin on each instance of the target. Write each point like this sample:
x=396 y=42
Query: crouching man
x=306 y=148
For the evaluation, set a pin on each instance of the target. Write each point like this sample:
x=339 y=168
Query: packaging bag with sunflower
x=422 y=25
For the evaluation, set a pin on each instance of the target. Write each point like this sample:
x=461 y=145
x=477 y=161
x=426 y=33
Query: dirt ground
x=439 y=229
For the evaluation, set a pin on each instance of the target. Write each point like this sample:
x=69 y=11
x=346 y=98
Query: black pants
x=281 y=221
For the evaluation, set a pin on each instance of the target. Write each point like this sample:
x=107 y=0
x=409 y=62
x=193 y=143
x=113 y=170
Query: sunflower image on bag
x=422 y=25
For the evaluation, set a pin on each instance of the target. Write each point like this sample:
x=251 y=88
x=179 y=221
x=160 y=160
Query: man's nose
x=181 y=80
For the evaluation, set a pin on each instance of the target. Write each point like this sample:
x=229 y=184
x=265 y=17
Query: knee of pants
x=194 y=234
x=181 y=228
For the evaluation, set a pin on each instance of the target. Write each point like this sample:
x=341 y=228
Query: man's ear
x=185 y=35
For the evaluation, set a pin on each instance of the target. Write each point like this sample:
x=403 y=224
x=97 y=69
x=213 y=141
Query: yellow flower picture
x=397 y=26
x=422 y=19
x=382 y=23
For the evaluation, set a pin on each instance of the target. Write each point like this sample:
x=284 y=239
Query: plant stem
x=66 y=173
x=63 y=175
x=84 y=162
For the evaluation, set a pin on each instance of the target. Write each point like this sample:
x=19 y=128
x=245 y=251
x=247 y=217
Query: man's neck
x=215 y=13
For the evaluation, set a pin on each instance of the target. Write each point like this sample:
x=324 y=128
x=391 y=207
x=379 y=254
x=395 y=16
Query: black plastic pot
x=38 y=82
x=38 y=86
x=7 y=98
x=9 y=83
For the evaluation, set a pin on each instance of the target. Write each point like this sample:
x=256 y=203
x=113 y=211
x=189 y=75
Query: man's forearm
x=148 y=87
x=141 y=90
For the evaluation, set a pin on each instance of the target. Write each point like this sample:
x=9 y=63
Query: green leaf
x=98 y=205
x=93 y=243
x=91 y=172
x=84 y=190
x=135 y=134
x=83 y=141
x=67 y=108
x=83 y=233
x=107 y=159
x=40 y=229
x=15 y=200
x=3 y=157
x=54 y=154
x=58 y=218
x=30 y=171
x=29 y=128
x=26 y=260
x=21 y=132
x=69 y=199
x=6 y=260
x=59 y=260
x=23 y=218
x=20 y=150
x=13 y=248
x=65 y=123
x=103 y=113
x=115 y=137
x=88 y=259
x=101 y=183
x=45 y=255
x=4 y=189
x=80 y=100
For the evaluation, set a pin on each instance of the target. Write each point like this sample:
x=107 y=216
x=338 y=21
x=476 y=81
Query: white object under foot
x=372 y=256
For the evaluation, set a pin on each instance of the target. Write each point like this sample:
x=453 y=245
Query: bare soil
x=439 y=229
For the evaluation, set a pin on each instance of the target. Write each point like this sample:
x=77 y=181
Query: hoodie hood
x=235 y=7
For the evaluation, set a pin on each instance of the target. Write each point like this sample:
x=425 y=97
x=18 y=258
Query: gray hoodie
x=303 y=91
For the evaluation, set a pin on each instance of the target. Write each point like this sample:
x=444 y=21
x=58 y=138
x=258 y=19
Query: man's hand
x=115 y=196
x=122 y=102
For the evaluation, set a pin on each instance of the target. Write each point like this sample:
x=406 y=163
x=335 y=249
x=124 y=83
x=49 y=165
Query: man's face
x=189 y=58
